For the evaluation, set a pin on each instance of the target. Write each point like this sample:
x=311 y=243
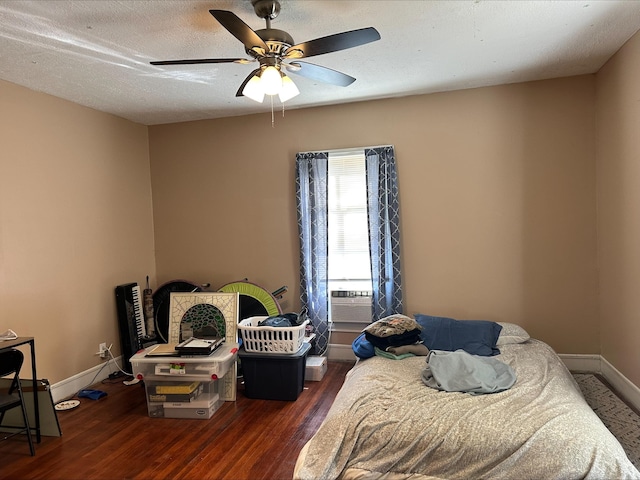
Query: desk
x=7 y=344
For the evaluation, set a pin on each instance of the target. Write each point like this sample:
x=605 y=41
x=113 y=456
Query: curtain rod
x=347 y=149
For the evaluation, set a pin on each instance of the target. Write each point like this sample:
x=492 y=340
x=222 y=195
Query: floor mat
x=621 y=420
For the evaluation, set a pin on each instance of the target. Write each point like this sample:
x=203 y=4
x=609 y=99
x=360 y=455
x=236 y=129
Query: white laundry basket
x=280 y=340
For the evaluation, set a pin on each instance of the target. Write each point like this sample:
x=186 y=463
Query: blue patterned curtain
x=311 y=197
x=384 y=230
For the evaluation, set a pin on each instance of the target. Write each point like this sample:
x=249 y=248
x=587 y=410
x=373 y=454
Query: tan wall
x=497 y=200
x=618 y=167
x=75 y=221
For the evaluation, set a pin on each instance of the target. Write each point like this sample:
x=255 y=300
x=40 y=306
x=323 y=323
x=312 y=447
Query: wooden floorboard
x=114 y=438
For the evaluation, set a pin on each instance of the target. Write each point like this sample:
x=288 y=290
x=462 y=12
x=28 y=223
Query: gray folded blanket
x=460 y=371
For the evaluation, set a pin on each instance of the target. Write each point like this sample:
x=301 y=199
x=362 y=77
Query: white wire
x=116 y=362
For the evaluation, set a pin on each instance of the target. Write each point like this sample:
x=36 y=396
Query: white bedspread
x=386 y=424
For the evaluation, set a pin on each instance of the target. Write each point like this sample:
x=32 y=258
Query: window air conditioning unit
x=350 y=310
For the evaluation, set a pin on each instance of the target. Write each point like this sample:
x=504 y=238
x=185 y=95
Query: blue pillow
x=477 y=337
x=362 y=347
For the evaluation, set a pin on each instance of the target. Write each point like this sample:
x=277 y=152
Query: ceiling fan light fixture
x=276 y=50
x=254 y=90
x=271 y=80
x=289 y=89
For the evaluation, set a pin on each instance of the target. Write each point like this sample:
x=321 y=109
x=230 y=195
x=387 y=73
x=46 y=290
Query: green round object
x=254 y=300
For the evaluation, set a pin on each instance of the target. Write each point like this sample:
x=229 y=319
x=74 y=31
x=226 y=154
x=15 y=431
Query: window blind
x=347 y=222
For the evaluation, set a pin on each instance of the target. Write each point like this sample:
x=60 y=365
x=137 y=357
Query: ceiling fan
x=276 y=51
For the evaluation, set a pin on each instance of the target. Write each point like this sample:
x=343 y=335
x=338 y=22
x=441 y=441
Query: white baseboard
x=70 y=386
x=340 y=353
x=582 y=363
x=621 y=384
x=598 y=364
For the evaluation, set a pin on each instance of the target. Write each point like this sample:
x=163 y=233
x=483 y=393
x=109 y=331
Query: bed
x=387 y=424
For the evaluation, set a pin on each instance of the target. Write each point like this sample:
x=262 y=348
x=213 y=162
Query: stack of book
x=175 y=392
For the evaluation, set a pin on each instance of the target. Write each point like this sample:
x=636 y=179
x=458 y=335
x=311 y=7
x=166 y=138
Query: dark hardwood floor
x=114 y=438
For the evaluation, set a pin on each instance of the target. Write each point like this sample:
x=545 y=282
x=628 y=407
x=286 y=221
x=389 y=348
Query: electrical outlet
x=102 y=350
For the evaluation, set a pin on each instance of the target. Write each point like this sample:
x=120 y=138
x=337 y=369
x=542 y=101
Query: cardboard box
x=316 y=368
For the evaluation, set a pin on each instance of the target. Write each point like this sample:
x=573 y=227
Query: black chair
x=10 y=364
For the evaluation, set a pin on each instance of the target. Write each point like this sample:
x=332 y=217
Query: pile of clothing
x=396 y=336
x=284 y=320
x=459 y=358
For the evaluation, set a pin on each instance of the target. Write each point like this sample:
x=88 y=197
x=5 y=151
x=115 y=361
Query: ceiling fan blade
x=239 y=29
x=333 y=43
x=244 y=83
x=322 y=74
x=201 y=60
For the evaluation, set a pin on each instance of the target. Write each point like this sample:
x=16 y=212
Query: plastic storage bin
x=194 y=368
x=276 y=340
x=185 y=387
x=316 y=368
x=182 y=399
x=274 y=377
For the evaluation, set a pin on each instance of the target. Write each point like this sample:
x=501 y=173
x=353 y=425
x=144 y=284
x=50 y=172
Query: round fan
x=275 y=48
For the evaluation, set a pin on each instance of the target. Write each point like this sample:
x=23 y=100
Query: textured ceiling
x=97 y=52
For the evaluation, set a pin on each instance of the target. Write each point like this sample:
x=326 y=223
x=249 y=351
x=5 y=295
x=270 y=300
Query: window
x=382 y=224
x=349 y=264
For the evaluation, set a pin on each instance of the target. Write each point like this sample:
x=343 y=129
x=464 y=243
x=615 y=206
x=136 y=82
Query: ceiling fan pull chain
x=272 y=119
